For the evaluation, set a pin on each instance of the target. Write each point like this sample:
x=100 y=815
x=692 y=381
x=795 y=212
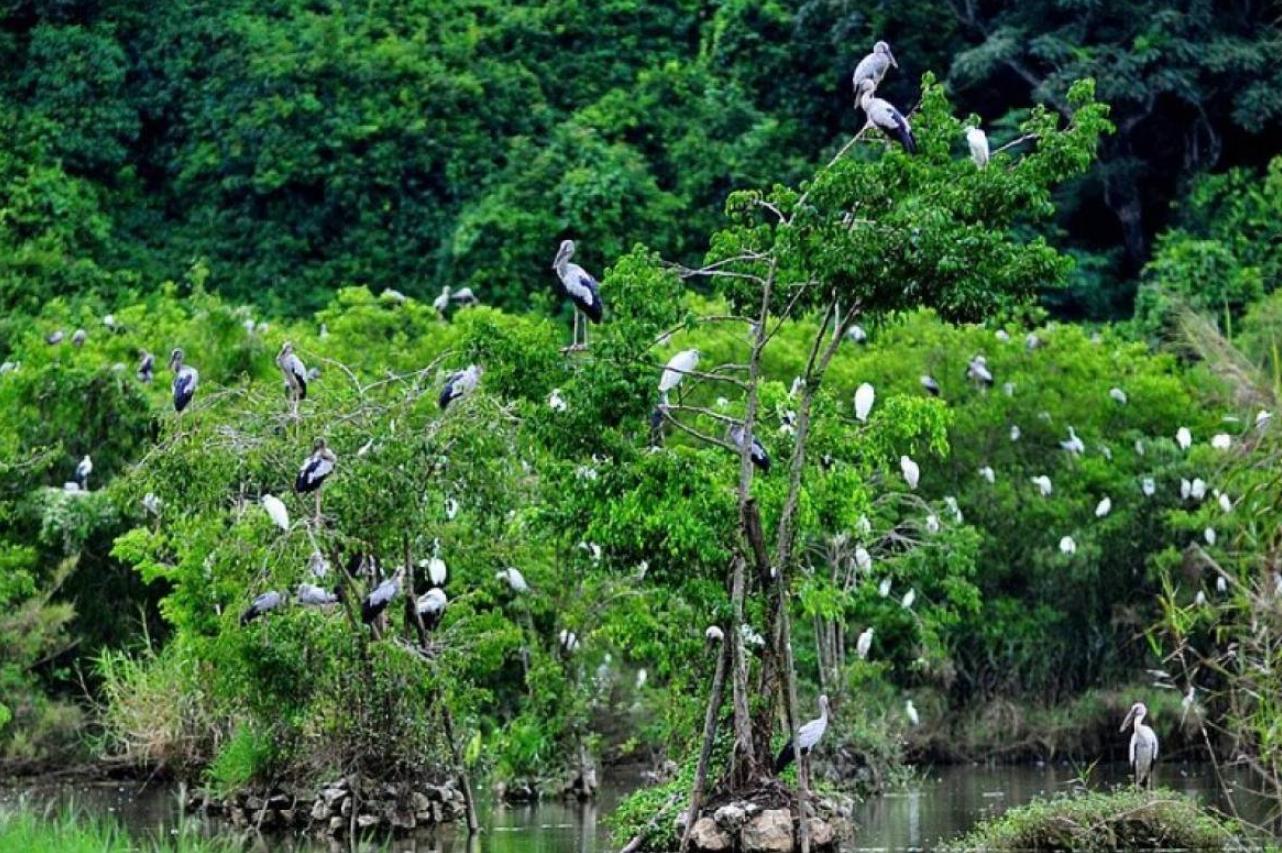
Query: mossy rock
x=1117 y=820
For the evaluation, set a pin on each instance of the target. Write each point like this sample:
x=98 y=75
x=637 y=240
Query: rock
x=279 y=801
x=821 y=833
x=707 y=837
x=332 y=795
x=365 y=821
x=419 y=802
x=768 y=832
x=730 y=817
x=321 y=811
x=346 y=809
x=287 y=816
x=752 y=809
x=253 y=803
x=337 y=825
x=403 y=820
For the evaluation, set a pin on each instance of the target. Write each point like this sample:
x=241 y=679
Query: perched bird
x=864 y=397
x=1104 y=507
x=1118 y=395
x=882 y=115
x=431 y=607
x=514 y=579
x=911 y=471
x=1073 y=444
x=864 y=644
x=376 y=602
x=977 y=371
x=856 y=334
x=437 y=572
x=750 y=636
x=977 y=141
x=988 y=474
x=55 y=337
x=109 y=320
x=1186 y=488
x=394 y=296
x=83 y=469
x=1043 y=484
x=311 y=595
x=1184 y=438
x=78 y=337
x=1222 y=441
x=932 y=523
x=807 y=737
x=464 y=298
x=315 y=468
x=675 y=370
x=1221 y=585
x=1226 y=502
x=713 y=635
x=556 y=402
x=1197 y=489
x=568 y=640
x=1014 y=433
x=1008 y=388
x=146 y=367
x=151 y=503
x=1143 y=749
x=1148 y=486
x=1032 y=342
x=757 y=453
x=264 y=603
x=873 y=67
x=910 y=711
x=1067 y=545
x=910 y=597
x=930 y=385
x=1209 y=535
x=1002 y=335
x=442 y=302
x=317 y=565
x=1262 y=418
x=451 y=508
x=185 y=380
x=295 y=375
x=459 y=383
x=582 y=289
x=863 y=560
x=1139 y=447
x=276 y=510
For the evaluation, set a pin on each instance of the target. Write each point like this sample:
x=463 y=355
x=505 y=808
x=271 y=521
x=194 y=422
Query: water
x=946 y=802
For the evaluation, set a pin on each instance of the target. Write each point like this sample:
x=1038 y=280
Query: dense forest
x=981 y=449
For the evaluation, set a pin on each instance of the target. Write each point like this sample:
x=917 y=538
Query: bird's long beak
x=1130 y=717
x=893 y=63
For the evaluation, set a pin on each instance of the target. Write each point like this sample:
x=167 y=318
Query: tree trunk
x=473 y=825
x=709 y=736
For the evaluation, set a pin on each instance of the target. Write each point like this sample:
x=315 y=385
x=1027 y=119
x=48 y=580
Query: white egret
x=864 y=644
x=977 y=141
x=676 y=369
x=864 y=398
x=1104 y=507
x=911 y=471
x=276 y=511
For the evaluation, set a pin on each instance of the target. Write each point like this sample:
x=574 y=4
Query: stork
x=583 y=291
x=873 y=67
x=459 y=383
x=464 y=298
x=314 y=471
x=1104 y=507
x=713 y=635
x=569 y=641
x=442 y=302
x=807 y=737
x=79 y=337
x=1067 y=545
x=977 y=141
x=977 y=370
x=865 y=395
x=930 y=385
x=264 y=603
x=376 y=602
x=185 y=380
x=882 y=115
x=431 y=607
x=1184 y=438
x=1118 y=395
x=83 y=469
x=988 y=474
x=311 y=595
x=295 y=376
x=757 y=452
x=146 y=367
x=55 y=337
x=1143 y=749
x=675 y=370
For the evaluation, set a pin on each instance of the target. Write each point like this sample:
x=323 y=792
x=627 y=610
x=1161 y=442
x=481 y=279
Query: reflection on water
x=946 y=802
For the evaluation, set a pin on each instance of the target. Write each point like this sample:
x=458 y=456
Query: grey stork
x=315 y=470
x=807 y=737
x=758 y=454
x=185 y=380
x=464 y=298
x=930 y=385
x=1143 y=749
x=311 y=595
x=431 y=607
x=291 y=366
x=882 y=115
x=146 y=367
x=79 y=337
x=264 y=603
x=873 y=67
x=459 y=383
x=376 y=602
x=582 y=289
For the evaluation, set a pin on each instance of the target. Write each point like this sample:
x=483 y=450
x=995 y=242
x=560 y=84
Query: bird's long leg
x=585 y=332
x=574 y=335
x=318 y=509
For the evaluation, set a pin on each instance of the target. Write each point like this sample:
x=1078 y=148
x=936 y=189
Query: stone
x=403 y=820
x=365 y=821
x=321 y=810
x=730 y=817
x=707 y=837
x=346 y=808
x=254 y=803
x=287 y=816
x=821 y=833
x=333 y=794
x=419 y=802
x=768 y=832
x=279 y=801
x=337 y=825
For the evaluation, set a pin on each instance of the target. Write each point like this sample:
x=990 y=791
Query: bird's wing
x=580 y=285
x=1134 y=741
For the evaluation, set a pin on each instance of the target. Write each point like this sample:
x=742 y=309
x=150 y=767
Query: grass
x=69 y=830
x=1127 y=819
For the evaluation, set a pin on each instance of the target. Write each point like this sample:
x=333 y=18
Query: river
x=941 y=804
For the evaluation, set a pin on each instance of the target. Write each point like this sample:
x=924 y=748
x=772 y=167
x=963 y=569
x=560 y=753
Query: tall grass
x=71 y=830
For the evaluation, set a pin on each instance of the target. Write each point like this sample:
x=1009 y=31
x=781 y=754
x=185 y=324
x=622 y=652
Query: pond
x=943 y=803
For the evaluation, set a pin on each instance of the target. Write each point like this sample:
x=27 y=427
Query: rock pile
x=748 y=827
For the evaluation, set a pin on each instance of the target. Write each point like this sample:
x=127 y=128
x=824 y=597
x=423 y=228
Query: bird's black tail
x=249 y=616
x=784 y=758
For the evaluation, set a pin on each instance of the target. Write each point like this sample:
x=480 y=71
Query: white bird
x=1222 y=441
x=1143 y=748
x=1002 y=335
x=151 y=503
x=873 y=67
x=556 y=402
x=807 y=737
x=798 y=385
x=1043 y=484
x=863 y=560
x=883 y=115
x=55 y=337
x=109 y=321
x=317 y=565
x=676 y=369
x=514 y=579
x=451 y=508
x=1067 y=545
x=909 y=597
x=391 y=295
x=568 y=640
x=864 y=397
x=79 y=337
x=1184 y=438
x=185 y=380
x=864 y=644
x=83 y=469
x=583 y=290
x=1185 y=489
x=642 y=677
x=1139 y=447
x=977 y=141
x=977 y=371
x=1221 y=585
x=1148 y=486
x=1226 y=503
x=1262 y=417
x=291 y=366
x=1008 y=388
x=930 y=385
x=1117 y=394
x=437 y=572
x=1014 y=433
x=1073 y=444
x=1032 y=342
x=910 y=710
x=883 y=589
x=459 y=383
x=276 y=510
x=311 y=595
x=713 y=635
x=1199 y=600
x=951 y=503
x=749 y=636
x=988 y=474
x=1104 y=507
x=911 y=471
x=442 y=302
x=1186 y=704
x=431 y=607
x=1209 y=535
x=464 y=298
x=932 y=523
x=857 y=334
x=1197 y=489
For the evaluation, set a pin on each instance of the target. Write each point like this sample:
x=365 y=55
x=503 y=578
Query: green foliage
x=72 y=831
x=247 y=756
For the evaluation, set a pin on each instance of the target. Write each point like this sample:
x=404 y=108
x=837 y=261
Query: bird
x=856 y=334
x=713 y=635
x=442 y=302
x=311 y=595
x=9 y=367
x=910 y=711
x=459 y=383
x=1067 y=545
x=436 y=571
x=1221 y=585
x=1014 y=433
x=911 y=471
x=1043 y=484
x=556 y=402
x=151 y=503
x=1032 y=342
x=864 y=644
x=582 y=289
x=873 y=67
x=185 y=380
x=1197 y=489
x=1073 y=444
x=317 y=565
x=1002 y=335
x=315 y=468
x=295 y=375
x=1226 y=502
x=1143 y=749
x=977 y=371
x=146 y=367
x=883 y=115
x=464 y=298
x=431 y=607
x=675 y=370
x=1209 y=535
x=1118 y=394
x=977 y=141
x=1222 y=441
x=568 y=640
x=864 y=397
x=78 y=337
x=514 y=579
x=932 y=523
x=757 y=453
x=451 y=508
x=390 y=295
x=109 y=320
x=1262 y=418
x=988 y=474
x=863 y=560
x=1104 y=507
x=909 y=598
x=276 y=510
x=1184 y=438
x=1185 y=489
x=264 y=603
x=751 y=636
x=54 y=337
x=83 y=469
x=807 y=737
x=376 y=602
x=930 y=385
